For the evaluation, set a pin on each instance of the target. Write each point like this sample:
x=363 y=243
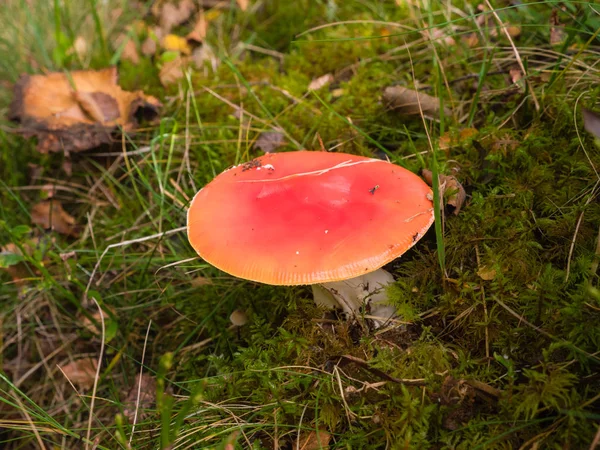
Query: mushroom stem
x=352 y=294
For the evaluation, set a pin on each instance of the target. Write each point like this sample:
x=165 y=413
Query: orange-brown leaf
x=77 y=112
x=81 y=372
x=409 y=102
x=51 y=214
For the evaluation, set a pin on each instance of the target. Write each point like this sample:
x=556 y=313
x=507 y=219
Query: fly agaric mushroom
x=313 y=218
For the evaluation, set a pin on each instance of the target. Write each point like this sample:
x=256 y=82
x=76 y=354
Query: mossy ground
x=505 y=335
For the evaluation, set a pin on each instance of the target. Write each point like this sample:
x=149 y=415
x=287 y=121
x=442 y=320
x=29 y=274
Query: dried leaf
x=457 y=194
x=72 y=120
x=146 y=386
x=243 y=4
x=514 y=31
x=406 y=101
x=81 y=372
x=486 y=273
x=50 y=214
x=174 y=43
x=199 y=32
x=557 y=30
x=515 y=75
x=591 y=122
x=13 y=261
x=451 y=188
x=173 y=14
x=149 y=46
x=204 y=54
x=440 y=34
x=315 y=440
x=320 y=82
x=129 y=52
x=99 y=106
x=449 y=139
x=471 y=39
x=97 y=315
x=201 y=281
x=269 y=141
x=173 y=71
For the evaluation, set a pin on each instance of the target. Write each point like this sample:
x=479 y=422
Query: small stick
x=382 y=374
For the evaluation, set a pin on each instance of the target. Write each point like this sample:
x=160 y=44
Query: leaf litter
x=81 y=372
x=77 y=111
x=410 y=102
x=50 y=214
x=451 y=188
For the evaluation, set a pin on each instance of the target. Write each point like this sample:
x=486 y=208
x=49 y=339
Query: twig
x=382 y=374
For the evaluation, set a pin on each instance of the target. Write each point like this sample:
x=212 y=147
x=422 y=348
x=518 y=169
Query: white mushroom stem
x=352 y=294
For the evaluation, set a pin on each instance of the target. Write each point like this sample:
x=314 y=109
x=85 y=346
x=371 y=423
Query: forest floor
x=499 y=338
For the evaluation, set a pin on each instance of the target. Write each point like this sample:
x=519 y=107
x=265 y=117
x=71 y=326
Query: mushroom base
x=354 y=294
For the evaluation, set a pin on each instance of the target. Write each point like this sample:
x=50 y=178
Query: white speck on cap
x=298 y=252
x=326 y=231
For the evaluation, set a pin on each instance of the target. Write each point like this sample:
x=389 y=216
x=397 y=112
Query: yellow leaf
x=176 y=43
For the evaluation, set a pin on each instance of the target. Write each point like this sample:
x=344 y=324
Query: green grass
x=509 y=361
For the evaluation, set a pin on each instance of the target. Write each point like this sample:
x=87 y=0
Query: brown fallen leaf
x=50 y=214
x=557 y=30
x=451 y=188
x=514 y=31
x=171 y=14
x=515 y=75
x=12 y=258
x=406 y=101
x=149 y=46
x=99 y=106
x=591 y=122
x=449 y=139
x=441 y=35
x=79 y=111
x=146 y=386
x=320 y=82
x=81 y=372
x=198 y=33
x=89 y=325
x=486 y=273
x=269 y=141
x=315 y=440
x=243 y=4
x=173 y=71
x=129 y=52
x=471 y=39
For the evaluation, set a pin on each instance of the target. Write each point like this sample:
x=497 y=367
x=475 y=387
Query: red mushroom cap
x=308 y=217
